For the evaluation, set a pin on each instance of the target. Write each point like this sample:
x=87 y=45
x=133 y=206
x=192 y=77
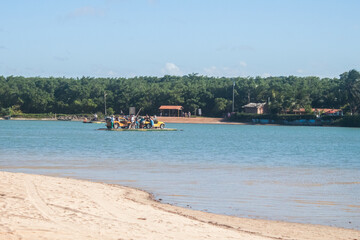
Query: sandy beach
x=43 y=207
x=202 y=120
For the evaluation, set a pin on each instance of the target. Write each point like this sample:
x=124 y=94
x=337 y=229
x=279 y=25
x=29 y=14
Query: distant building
x=300 y=111
x=317 y=111
x=328 y=111
x=170 y=110
x=256 y=108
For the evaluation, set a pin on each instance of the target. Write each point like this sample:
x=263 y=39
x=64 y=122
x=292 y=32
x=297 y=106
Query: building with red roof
x=171 y=110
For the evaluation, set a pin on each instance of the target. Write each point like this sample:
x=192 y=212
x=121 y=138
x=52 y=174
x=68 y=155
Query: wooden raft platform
x=139 y=129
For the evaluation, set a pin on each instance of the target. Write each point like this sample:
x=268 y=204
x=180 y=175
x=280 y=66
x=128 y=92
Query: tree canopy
x=213 y=95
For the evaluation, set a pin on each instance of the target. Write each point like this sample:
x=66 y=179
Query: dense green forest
x=212 y=95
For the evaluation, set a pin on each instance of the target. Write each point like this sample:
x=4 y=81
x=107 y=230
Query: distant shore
x=201 y=120
x=35 y=206
x=192 y=120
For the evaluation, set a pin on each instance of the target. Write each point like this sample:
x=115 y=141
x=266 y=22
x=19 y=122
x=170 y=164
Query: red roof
x=170 y=107
x=320 y=110
x=326 y=110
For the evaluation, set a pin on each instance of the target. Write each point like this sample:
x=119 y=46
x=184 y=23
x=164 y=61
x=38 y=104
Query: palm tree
x=350 y=84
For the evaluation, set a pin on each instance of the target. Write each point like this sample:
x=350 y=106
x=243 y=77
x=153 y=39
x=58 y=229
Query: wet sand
x=42 y=207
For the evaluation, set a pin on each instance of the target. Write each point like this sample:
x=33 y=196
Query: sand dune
x=42 y=207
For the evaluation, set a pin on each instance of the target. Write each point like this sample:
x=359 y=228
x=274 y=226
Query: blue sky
x=126 y=38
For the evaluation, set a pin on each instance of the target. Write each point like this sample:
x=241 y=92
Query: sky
x=221 y=38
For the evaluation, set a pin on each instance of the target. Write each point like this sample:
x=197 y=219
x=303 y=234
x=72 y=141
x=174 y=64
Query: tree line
x=212 y=94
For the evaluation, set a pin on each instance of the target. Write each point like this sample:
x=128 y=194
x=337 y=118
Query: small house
x=256 y=108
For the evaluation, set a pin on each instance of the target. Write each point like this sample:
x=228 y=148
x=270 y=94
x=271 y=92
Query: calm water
x=299 y=174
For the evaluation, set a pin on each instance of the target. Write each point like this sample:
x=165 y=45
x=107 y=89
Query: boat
x=93 y=121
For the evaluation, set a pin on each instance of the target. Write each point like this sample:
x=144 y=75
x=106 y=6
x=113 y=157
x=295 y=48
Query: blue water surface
x=300 y=174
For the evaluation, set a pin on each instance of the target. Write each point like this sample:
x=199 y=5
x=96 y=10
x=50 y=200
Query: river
x=288 y=173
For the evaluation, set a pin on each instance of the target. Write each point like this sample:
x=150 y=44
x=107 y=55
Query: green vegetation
x=277 y=118
x=19 y=95
x=348 y=121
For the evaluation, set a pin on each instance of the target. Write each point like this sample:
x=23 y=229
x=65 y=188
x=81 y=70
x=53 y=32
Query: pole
x=233 y=97
x=138 y=112
x=105 y=101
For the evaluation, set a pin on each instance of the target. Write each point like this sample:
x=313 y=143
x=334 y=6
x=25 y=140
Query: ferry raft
x=138 y=129
x=135 y=124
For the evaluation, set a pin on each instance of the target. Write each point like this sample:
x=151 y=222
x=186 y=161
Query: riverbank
x=202 y=120
x=209 y=120
x=35 y=206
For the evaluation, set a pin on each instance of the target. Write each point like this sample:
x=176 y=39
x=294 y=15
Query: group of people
x=186 y=114
x=147 y=121
x=134 y=122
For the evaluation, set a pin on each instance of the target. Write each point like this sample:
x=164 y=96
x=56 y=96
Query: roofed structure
x=170 y=110
x=257 y=108
x=170 y=107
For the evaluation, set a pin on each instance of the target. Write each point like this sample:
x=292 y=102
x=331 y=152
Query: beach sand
x=43 y=207
x=202 y=120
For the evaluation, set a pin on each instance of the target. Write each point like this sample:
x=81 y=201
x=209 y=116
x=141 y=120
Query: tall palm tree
x=350 y=84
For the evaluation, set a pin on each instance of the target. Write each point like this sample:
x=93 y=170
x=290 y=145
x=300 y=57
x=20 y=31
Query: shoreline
x=200 y=120
x=34 y=206
x=205 y=120
x=183 y=120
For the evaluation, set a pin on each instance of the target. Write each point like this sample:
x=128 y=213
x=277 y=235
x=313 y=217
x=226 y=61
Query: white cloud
x=99 y=70
x=300 y=71
x=265 y=75
x=214 y=71
x=112 y=74
x=243 y=64
x=171 y=69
